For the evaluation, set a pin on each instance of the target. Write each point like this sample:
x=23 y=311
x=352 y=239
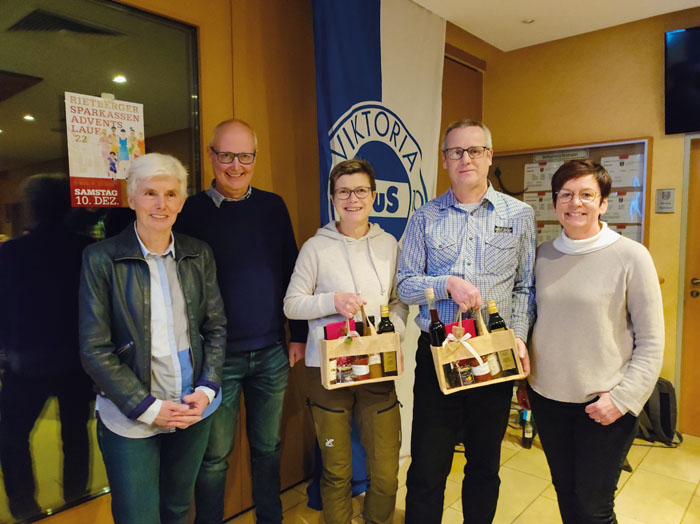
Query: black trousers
x=477 y=417
x=20 y=405
x=585 y=457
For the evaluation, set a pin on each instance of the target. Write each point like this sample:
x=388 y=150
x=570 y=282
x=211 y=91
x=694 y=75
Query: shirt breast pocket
x=442 y=254
x=501 y=254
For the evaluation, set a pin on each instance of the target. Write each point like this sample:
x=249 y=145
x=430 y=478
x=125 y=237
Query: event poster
x=104 y=136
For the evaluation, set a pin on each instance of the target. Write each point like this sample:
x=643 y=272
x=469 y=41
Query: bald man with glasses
x=251 y=235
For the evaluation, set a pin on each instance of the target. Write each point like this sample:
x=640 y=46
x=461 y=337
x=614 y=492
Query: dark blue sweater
x=255 y=252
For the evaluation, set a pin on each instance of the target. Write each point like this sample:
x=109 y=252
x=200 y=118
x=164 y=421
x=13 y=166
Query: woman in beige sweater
x=597 y=344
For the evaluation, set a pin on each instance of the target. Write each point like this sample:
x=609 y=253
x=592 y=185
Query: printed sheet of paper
x=541 y=202
x=633 y=232
x=547 y=232
x=624 y=206
x=104 y=136
x=538 y=176
x=625 y=171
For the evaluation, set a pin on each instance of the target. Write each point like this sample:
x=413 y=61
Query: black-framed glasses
x=360 y=192
x=456 y=153
x=226 y=157
x=586 y=196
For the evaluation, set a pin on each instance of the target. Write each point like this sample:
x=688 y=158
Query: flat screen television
x=683 y=81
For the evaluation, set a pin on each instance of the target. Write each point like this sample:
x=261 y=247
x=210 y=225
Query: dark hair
x=48 y=197
x=578 y=168
x=350 y=167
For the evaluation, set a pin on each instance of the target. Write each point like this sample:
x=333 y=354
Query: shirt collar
x=448 y=199
x=145 y=252
x=218 y=198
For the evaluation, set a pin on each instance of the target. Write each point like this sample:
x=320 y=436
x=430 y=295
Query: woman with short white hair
x=152 y=337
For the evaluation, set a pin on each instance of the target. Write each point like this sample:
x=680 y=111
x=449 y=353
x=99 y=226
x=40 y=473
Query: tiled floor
x=662 y=489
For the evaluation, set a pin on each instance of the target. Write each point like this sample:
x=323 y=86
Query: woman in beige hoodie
x=348 y=264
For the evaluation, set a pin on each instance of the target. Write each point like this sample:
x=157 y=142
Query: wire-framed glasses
x=586 y=196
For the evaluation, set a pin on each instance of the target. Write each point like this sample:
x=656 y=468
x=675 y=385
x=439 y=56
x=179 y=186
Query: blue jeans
x=262 y=377
x=152 y=479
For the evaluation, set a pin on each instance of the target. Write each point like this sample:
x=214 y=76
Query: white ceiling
x=499 y=22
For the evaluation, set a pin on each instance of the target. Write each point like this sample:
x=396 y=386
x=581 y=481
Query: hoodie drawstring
x=374 y=266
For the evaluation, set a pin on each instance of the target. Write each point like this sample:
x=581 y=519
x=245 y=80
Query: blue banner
x=376 y=102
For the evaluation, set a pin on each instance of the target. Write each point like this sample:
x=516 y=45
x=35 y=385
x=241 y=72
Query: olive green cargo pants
x=376 y=411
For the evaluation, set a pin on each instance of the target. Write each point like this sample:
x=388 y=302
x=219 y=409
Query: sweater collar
x=218 y=198
x=603 y=238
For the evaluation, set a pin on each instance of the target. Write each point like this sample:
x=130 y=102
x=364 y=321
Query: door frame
x=682 y=256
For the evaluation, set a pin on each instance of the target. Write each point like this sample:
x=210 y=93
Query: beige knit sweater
x=599 y=327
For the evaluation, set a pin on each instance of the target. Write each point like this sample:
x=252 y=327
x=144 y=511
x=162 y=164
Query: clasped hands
x=182 y=415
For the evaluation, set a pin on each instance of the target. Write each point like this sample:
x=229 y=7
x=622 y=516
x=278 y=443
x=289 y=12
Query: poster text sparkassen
x=90 y=114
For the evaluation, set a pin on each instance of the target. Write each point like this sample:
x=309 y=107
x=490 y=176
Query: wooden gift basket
x=353 y=346
x=492 y=345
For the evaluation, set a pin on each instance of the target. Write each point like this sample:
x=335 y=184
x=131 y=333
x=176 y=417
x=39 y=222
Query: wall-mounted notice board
x=627 y=161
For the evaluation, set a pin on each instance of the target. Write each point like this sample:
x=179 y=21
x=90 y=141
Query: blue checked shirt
x=493 y=247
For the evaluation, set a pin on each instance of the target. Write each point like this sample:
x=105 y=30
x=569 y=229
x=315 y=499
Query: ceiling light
x=527 y=21
x=0 y=131
x=119 y=79
x=28 y=118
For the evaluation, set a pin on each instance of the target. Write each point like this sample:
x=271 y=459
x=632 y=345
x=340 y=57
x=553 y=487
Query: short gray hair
x=466 y=123
x=153 y=164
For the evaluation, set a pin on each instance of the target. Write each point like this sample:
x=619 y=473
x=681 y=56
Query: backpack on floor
x=657 y=421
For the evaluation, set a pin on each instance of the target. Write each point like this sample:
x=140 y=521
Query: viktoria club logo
x=372 y=131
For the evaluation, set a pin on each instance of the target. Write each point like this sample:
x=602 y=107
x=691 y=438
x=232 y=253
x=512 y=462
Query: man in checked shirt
x=471 y=244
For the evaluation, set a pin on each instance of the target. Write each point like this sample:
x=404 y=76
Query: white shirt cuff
x=148 y=416
x=207 y=391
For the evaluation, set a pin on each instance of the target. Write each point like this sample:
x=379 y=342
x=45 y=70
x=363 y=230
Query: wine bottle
x=389 y=367
x=528 y=429
x=376 y=368
x=436 y=329
x=385 y=325
x=494 y=365
x=332 y=371
x=496 y=322
x=507 y=362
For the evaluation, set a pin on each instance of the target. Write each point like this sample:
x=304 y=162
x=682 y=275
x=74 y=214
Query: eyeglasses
x=226 y=157
x=360 y=192
x=586 y=196
x=455 y=153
